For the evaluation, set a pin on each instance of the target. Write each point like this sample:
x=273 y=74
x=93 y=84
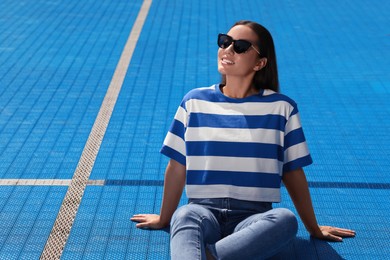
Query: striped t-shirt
x=236 y=148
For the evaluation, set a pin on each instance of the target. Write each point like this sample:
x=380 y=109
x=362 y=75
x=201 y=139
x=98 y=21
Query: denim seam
x=199 y=233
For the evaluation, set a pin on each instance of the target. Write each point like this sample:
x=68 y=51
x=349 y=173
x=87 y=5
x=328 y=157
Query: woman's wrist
x=315 y=231
x=164 y=221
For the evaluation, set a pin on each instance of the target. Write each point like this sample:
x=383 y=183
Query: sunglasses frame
x=234 y=42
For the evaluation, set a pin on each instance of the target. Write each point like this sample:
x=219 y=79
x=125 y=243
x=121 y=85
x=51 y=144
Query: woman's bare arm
x=297 y=186
x=175 y=176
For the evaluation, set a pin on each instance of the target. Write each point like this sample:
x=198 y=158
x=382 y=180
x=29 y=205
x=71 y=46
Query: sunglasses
x=239 y=46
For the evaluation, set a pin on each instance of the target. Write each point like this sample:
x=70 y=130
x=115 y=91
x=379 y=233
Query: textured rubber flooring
x=56 y=63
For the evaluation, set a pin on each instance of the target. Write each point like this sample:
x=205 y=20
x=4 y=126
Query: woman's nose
x=230 y=48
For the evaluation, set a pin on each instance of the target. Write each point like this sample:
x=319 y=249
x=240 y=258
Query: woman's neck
x=239 y=88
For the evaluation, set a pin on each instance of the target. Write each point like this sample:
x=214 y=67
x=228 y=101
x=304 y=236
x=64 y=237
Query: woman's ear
x=260 y=64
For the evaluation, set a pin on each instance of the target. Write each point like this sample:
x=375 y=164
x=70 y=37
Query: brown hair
x=266 y=78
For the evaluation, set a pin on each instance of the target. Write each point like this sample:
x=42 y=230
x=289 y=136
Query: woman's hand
x=333 y=233
x=148 y=221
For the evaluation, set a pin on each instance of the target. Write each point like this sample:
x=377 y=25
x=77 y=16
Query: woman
x=231 y=145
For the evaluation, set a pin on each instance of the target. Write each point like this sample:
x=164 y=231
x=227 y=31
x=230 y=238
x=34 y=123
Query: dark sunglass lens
x=241 y=46
x=224 y=41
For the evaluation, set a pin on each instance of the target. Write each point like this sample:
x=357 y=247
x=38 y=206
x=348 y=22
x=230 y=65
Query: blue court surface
x=58 y=58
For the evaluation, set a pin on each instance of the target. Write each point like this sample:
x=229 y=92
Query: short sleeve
x=296 y=151
x=174 y=143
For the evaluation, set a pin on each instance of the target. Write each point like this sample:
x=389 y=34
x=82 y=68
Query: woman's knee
x=287 y=220
x=195 y=219
x=187 y=214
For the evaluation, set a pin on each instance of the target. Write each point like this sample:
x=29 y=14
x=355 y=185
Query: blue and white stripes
x=237 y=148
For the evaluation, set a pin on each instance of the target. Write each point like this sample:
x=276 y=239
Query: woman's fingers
x=335 y=233
x=137 y=218
x=339 y=231
x=147 y=221
x=343 y=232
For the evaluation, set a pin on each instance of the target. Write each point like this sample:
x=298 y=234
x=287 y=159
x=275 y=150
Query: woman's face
x=243 y=64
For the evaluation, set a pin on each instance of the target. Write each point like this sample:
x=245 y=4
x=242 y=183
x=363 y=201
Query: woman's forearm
x=175 y=176
x=297 y=186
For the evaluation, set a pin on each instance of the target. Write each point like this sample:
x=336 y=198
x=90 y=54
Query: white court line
x=64 y=221
x=45 y=182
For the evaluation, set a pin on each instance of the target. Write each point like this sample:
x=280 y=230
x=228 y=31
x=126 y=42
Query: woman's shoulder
x=200 y=93
x=272 y=96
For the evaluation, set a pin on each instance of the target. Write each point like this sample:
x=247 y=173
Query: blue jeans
x=230 y=229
